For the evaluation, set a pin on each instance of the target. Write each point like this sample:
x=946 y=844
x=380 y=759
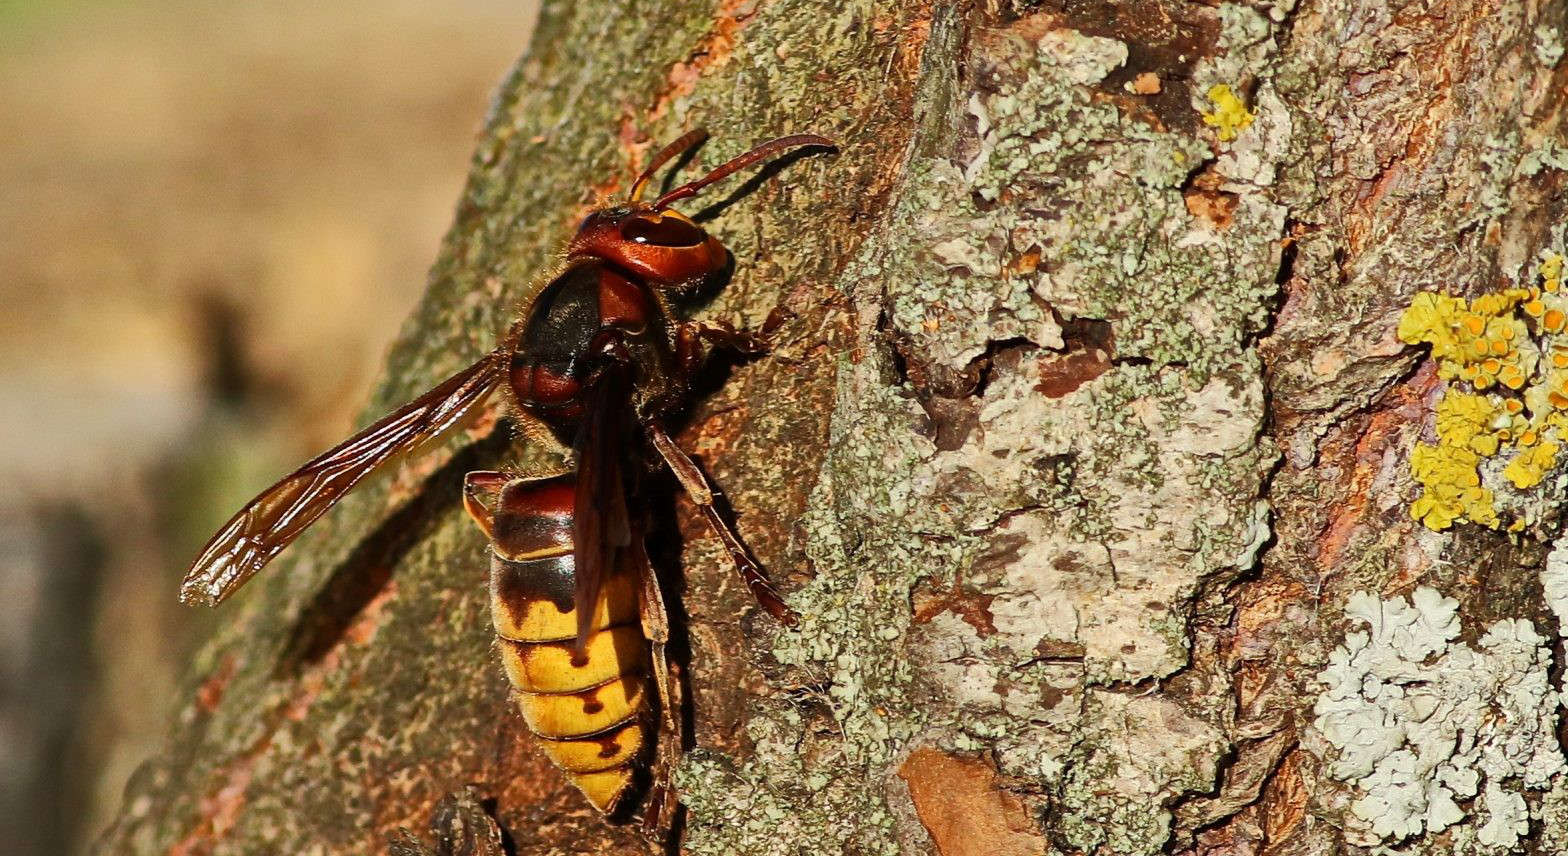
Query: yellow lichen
x=1440 y=321
x=1511 y=348
x=1230 y=115
x=1465 y=421
x=1551 y=265
x=1531 y=465
x=1452 y=487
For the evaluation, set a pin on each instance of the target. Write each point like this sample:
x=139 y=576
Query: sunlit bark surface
x=1085 y=455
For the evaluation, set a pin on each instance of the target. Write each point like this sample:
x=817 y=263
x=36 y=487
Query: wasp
x=600 y=360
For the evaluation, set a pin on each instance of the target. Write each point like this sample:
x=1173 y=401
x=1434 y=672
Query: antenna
x=762 y=152
x=681 y=144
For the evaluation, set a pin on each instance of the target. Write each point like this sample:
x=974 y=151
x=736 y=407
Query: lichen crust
x=1036 y=205
x=1503 y=418
x=1422 y=722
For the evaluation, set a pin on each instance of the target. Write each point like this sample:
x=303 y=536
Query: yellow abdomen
x=590 y=710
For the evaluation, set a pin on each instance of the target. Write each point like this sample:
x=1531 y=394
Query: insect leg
x=696 y=487
x=481 y=489
x=690 y=335
x=460 y=826
x=656 y=627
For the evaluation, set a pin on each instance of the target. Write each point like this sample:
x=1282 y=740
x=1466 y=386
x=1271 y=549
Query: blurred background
x=213 y=217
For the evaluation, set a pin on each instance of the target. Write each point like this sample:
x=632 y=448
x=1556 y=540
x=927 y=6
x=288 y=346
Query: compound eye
x=663 y=231
x=603 y=215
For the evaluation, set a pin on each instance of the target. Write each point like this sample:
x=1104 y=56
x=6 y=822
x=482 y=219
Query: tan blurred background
x=213 y=217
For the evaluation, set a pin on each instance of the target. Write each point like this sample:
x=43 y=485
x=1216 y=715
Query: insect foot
x=459 y=826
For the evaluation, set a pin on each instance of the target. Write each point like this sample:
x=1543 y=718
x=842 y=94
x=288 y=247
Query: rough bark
x=1059 y=305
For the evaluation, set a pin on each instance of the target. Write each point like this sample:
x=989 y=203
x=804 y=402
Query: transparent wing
x=601 y=526
x=282 y=512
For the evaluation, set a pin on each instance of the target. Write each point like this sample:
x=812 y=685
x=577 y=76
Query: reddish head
x=659 y=244
x=664 y=248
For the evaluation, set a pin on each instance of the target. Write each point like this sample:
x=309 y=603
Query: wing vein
x=281 y=513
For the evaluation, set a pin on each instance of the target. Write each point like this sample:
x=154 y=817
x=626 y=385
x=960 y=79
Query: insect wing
x=600 y=523
x=282 y=512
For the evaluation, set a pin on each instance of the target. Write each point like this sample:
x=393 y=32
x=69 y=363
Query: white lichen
x=1548 y=45
x=1421 y=721
x=1508 y=819
x=1545 y=154
x=1554 y=582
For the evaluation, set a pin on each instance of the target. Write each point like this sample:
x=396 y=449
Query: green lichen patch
x=760 y=807
x=852 y=616
x=1099 y=794
x=1072 y=201
x=1553 y=817
x=1046 y=204
x=1548 y=45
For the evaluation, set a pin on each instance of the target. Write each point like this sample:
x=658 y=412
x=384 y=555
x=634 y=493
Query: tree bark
x=1085 y=455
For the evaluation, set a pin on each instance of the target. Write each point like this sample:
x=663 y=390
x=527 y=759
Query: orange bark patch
x=713 y=52
x=1364 y=460
x=365 y=625
x=1284 y=800
x=219 y=811
x=211 y=690
x=714 y=439
x=1026 y=263
x=221 y=807
x=910 y=47
x=1250 y=651
x=1033 y=27
x=1061 y=375
x=1206 y=201
x=962 y=805
x=972 y=607
x=710 y=53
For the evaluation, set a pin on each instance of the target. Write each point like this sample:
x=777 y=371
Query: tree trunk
x=1086 y=455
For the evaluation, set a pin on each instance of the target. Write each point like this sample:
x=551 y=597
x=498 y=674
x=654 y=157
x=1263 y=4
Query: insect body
x=587 y=705
x=599 y=360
